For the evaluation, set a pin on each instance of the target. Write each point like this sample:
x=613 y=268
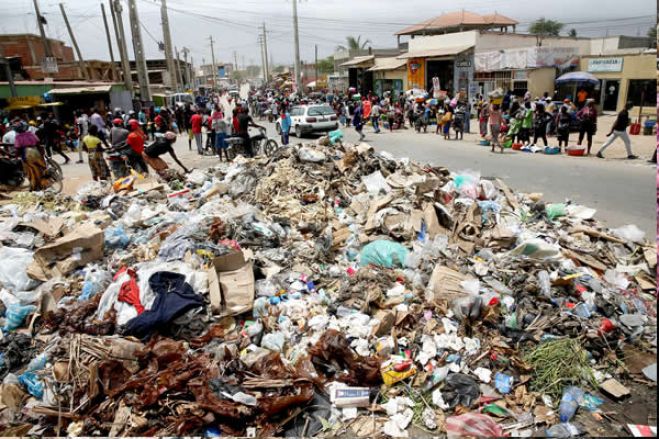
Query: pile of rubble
x=326 y=290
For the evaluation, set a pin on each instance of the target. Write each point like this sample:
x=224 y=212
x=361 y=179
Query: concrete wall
x=633 y=67
x=497 y=41
x=541 y=80
x=442 y=41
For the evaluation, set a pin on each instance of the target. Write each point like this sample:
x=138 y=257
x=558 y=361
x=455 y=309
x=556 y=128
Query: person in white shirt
x=375 y=117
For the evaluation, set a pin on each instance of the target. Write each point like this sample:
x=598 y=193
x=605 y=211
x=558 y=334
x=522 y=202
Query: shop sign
x=30 y=101
x=520 y=75
x=605 y=65
x=463 y=62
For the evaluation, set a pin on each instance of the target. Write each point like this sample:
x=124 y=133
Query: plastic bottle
x=569 y=403
x=38 y=362
x=545 y=283
x=563 y=430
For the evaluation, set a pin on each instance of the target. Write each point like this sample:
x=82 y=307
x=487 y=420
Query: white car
x=307 y=119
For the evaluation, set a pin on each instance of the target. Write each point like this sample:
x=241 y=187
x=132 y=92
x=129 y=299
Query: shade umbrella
x=577 y=77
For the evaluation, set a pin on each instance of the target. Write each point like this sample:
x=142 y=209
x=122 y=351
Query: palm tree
x=354 y=43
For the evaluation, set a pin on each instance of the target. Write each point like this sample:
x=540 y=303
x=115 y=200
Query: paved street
x=623 y=192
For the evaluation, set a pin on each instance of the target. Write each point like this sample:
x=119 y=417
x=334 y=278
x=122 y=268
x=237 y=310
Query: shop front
x=622 y=79
x=389 y=76
x=448 y=69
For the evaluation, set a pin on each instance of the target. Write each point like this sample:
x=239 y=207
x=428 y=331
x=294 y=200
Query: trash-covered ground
x=324 y=291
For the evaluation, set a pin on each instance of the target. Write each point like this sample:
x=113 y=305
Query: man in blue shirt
x=285 y=125
x=358 y=122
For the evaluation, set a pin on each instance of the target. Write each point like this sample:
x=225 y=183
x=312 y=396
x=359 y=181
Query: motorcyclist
x=162 y=145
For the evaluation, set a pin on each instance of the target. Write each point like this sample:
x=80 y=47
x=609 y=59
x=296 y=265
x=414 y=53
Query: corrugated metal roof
x=456 y=19
x=388 y=64
x=81 y=90
x=358 y=60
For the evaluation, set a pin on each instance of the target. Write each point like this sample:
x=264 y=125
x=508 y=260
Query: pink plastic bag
x=472 y=424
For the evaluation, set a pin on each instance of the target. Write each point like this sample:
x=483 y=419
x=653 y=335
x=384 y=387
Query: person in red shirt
x=234 y=122
x=135 y=140
x=196 y=121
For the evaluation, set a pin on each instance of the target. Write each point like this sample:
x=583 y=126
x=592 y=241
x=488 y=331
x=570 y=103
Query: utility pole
x=188 y=73
x=265 y=54
x=178 y=69
x=118 y=23
x=46 y=44
x=140 y=61
x=10 y=76
x=316 y=64
x=107 y=34
x=265 y=74
x=298 y=78
x=193 y=75
x=235 y=60
x=81 y=62
x=168 y=44
x=213 y=61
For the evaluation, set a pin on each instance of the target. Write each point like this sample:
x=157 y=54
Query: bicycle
x=16 y=179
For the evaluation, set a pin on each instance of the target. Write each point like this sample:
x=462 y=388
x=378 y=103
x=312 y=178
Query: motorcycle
x=118 y=161
x=13 y=177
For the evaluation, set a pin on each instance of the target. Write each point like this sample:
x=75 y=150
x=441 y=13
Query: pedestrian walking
x=196 y=122
x=495 y=120
x=97 y=165
x=483 y=118
x=587 y=118
x=358 y=122
x=375 y=117
x=285 y=125
x=82 y=122
x=619 y=129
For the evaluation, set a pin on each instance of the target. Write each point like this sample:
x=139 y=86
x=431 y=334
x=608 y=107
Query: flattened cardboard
x=231 y=285
x=73 y=250
x=444 y=284
x=50 y=227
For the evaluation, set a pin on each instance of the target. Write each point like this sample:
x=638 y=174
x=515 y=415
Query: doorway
x=610 y=94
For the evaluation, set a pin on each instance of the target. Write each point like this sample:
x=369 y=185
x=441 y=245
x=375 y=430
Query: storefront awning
x=431 y=53
x=392 y=63
x=356 y=61
x=81 y=90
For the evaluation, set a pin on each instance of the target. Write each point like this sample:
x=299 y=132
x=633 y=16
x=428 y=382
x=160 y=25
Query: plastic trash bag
x=311 y=155
x=116 y=237
x=472 y=425
x=13 y=270
x=31 y=382
x=536 y=248
x=630 y=233
x=197 y=177
x=335 y=136
x=460 y=389
x=467 y=183
x=96 y=280
x=15 y=315
x=375 y=183
x=383 y=253
x=555 y=210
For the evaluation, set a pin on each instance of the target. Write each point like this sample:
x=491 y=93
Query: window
x=322 y=110
x=642 y=92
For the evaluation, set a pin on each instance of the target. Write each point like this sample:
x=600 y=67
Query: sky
x=234 y=24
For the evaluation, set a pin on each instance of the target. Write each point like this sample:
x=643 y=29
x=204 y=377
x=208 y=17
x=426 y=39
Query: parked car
x=307 y=119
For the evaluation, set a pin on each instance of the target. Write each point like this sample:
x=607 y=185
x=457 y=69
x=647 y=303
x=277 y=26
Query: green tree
x=238 y=75
x=652 y=34
x=572 y=33
x=353 y=43
x=545 y=27
x=326 y=65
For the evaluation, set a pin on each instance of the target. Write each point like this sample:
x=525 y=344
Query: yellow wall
x=541 y=80
x=633 y=67
x=393 y=74
x=417 y=78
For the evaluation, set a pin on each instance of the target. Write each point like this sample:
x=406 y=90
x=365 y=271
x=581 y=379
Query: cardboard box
x=444 y=284
x=73 y=250
x=231 y=285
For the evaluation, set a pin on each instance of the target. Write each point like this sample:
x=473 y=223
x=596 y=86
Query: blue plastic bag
x=15 y=315
x=335 y=136
x=116 y=237
x=503 y=383
x=387 y=254
x=31 y=382
x=96 y=280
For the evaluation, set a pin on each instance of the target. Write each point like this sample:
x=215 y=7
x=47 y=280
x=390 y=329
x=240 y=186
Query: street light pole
x=138 y=47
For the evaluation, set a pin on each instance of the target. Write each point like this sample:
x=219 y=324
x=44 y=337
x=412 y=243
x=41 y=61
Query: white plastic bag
x=311 y=155
x=630 y=232
x=13 y=270
x=375 y=183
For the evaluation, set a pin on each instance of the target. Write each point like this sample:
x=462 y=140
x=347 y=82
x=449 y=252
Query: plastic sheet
x=387 y=254
x=472 y=425
x=96 y=280
x=13 y=270
x=116 y=237
x=15 y=315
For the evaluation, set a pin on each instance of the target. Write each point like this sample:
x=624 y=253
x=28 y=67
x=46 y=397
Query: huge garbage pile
x=326 y=290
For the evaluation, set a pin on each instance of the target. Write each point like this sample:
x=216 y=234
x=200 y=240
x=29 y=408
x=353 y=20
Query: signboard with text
x=605 y=65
